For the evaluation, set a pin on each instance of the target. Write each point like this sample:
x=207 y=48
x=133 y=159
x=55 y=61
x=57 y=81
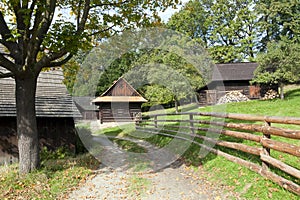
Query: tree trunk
x=28 y=143
x=281 y=91
x=176 y=105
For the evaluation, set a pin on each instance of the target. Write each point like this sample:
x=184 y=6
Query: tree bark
x=281 y=91
x=176 y=105
x=28 y=142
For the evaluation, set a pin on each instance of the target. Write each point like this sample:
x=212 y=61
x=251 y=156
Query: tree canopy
x=226 y=28
x=236 y=30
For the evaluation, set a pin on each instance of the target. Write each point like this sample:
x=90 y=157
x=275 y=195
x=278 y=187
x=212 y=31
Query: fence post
x=155 y=121
x=192 y=124
x=265 y=150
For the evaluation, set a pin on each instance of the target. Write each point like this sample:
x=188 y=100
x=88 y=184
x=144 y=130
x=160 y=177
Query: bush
x=59 y=153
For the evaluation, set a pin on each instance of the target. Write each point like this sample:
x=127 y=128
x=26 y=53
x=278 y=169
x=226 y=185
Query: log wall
x=53 y=133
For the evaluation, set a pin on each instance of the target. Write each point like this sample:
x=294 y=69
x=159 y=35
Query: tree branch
x=46 y=22
x=42 y=22
x=60 y=63
x=109 y=4
x=7 y=64
x=81 y=25
x=46 y=60
x=103 y=30
x=6 y=34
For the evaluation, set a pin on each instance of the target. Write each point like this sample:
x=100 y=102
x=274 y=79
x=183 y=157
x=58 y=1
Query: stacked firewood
x=270 y=94
x=232 y=96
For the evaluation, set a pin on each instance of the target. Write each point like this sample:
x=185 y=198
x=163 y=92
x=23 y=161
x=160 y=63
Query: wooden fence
x=266 y=140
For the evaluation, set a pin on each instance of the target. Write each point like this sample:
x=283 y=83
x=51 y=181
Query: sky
x=170 y=11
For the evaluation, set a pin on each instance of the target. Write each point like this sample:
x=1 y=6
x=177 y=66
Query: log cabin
x=120 y=102
x=232 y=77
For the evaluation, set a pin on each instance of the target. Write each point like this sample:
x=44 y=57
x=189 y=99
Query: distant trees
x=169 y=78
x=226 y=28
x=231 y=31
x=236 y=30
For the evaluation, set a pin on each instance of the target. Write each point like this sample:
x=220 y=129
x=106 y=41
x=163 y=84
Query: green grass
x=138 y=185
x=250 y=184
x=183 y=108
x=277 y=107
x=52 y=181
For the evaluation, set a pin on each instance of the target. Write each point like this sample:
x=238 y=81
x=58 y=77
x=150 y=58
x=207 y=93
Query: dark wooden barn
x=231 y=77
x=120 y=102
x=88 y=110
x=54 y=109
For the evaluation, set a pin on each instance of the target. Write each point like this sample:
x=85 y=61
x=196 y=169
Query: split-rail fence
x=274 y=140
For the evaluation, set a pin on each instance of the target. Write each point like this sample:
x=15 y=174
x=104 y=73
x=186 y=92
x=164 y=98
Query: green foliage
x=236 y=30
x=280 y=64
x=277 y=19
x=59 y=153
x=226 y=28
x=165 y=76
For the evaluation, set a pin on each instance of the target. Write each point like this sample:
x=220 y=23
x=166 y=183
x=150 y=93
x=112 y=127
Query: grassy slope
x=250 y=184
x=288 y=107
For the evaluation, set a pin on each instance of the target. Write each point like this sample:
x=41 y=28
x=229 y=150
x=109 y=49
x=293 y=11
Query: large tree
x=227 y=28
x=279 y=65
x=277 y=19
x=38 y=34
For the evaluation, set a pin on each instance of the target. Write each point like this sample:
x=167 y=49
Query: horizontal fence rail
x=262 y=140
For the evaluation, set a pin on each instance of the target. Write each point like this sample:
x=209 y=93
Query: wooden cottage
x=120 y=102
x=231 y=77
x=87 y=109
x=54 y=110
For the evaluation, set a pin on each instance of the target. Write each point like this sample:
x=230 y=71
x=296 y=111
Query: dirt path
x=177 y=181
x=174 y=182
x=147 y=176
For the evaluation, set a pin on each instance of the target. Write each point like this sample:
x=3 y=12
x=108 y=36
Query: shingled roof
x=52 y=97
x=235 y=71
x=120 y=91
x=85 y=103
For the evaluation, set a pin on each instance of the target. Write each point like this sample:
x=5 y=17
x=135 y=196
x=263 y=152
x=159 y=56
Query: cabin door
x=211 y=97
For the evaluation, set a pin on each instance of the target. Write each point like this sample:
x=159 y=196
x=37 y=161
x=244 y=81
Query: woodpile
x=232 y=96
x=270 y=94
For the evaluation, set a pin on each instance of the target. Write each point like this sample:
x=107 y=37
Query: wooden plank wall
x=53 y=133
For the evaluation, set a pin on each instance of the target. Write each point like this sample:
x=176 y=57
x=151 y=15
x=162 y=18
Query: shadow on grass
x=292 y=94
